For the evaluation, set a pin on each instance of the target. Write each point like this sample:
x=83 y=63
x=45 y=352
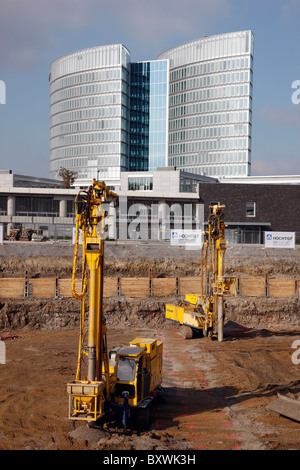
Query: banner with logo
x=279 y=239
x=187 y=238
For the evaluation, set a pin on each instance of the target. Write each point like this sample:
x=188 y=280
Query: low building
x=151 y=204
x=36 y=203
x=253 y=208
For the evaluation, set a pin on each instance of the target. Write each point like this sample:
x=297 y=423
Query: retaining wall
x=147 y=287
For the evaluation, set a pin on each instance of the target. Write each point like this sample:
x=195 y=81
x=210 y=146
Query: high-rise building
x=210 y=105
x=89 y=113
x=190 y=108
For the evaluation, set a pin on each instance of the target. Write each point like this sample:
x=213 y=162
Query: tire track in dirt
x=197 y=411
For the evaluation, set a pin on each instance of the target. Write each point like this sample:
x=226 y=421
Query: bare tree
x=68 y=176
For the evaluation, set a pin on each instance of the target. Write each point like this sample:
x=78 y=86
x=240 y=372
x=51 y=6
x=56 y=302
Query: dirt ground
x=215 y=394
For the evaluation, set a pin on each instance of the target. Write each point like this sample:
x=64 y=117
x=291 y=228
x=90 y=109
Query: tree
x=68 y=176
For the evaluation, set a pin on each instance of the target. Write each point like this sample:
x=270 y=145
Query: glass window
x=137 y=183
x=250 y=209
x=3 y=205
x=126 y=369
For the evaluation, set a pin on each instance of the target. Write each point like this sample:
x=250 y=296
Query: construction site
x=225 y=376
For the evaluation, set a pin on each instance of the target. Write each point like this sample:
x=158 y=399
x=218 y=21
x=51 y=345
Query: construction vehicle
x=205 y=313
x=126 y=380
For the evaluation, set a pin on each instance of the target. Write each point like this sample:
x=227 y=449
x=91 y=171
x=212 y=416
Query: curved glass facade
x=149 y=115
x=190 y=108
x=89 y=110
x=210 y=105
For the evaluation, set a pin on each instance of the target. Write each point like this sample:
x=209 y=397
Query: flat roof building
x=153 y=203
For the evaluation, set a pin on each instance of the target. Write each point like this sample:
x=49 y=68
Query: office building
x=190 y=108
x=210 y=105
x=89 y=113
x=153 y=203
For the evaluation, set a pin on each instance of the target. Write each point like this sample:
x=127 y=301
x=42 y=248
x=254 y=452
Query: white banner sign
x=188 y=238
x=279 y=239
x=1 y=234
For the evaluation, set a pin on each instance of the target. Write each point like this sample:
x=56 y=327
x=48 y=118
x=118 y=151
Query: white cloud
x=289 y=116
x=30 y=29
x=159 y=19
x=290 y=7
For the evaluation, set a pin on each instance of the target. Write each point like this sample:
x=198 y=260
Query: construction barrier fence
x=146 y=287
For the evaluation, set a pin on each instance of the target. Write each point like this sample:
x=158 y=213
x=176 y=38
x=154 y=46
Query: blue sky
x=35 y=32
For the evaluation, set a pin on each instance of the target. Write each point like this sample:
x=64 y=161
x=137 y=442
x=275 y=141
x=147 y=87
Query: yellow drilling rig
x=125 y=380
x=206 y=312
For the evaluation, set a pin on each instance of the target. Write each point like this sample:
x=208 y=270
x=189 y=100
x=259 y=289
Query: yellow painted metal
x=206 y=311
x=88 y=395
x=149 y=358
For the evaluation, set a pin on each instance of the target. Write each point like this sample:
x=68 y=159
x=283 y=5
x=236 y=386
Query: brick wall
x=275 y=203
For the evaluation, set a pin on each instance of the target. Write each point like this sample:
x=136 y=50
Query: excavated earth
x=215 y=395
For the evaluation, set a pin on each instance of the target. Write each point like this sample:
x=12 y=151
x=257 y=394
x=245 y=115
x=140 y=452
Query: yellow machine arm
x=206 y=311
x=213 y=283
x=90 y=215
x=126 y=380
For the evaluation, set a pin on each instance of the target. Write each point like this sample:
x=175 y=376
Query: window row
x=43 y=206
x=111 y=172
x=85 y=90
x=206 y=107
x=90 y=125
x=210 y=67
x=210 y=94
x=224 y=170
x=210 y=80
x=87 y=138
x=81 y=164
x=86 y=77
x=108 y=160
x=210 y=158
x=140 y=183
x=85 y=150
x=91 y=113
x=237 y=117
x=99 y=100
x=213 y=144
x=214 y=108
x=208 y=132
x=78 y=162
